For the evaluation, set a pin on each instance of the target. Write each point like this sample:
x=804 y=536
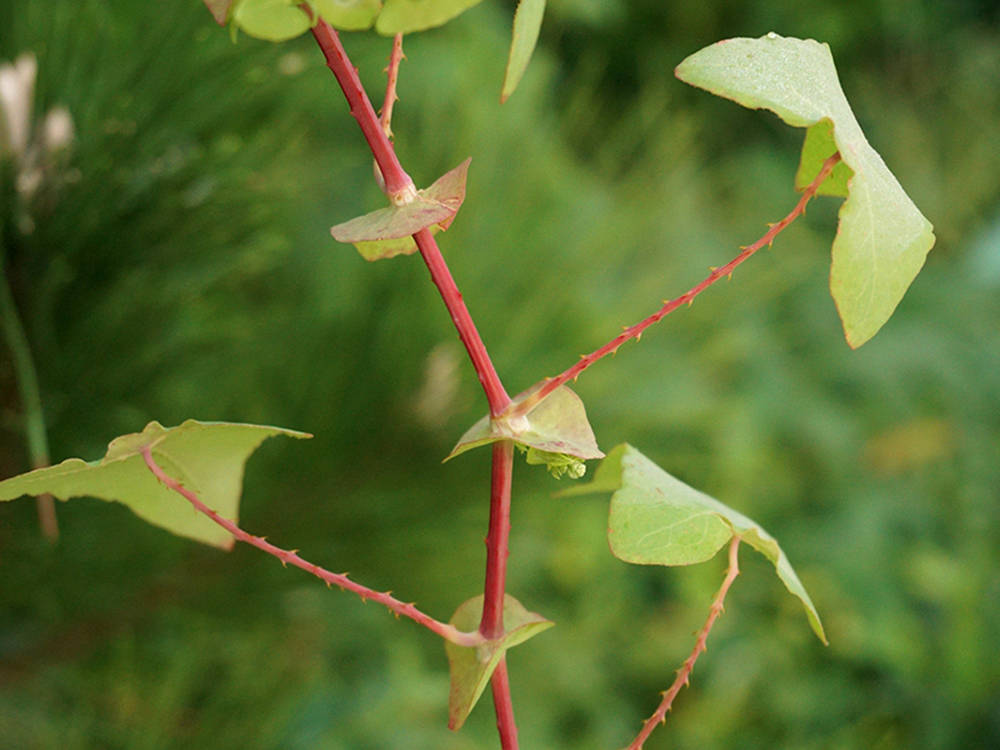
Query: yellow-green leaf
x=471 y=668
x=883 y=239
x=527 y=24
x=206 y=457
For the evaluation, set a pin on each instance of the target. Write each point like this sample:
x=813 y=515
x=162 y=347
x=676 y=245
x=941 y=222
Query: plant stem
x=500 y=685
x=635 y=331
x=683 y=674
x=396 y=181
x=392 y=75
x=446 y=631
x=31 y=401
x=497 y=549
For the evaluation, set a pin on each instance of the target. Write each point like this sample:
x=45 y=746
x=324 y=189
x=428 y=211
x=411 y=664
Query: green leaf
x=883 y=239
x=555 y=432
x=273 y=20
x=219 y=10
x=206 y=457
x=349 y=15
x=405 y=16
x=434 y=207
x=471 y=668
x=379 y=249
x=527 y=24
x=656 y=519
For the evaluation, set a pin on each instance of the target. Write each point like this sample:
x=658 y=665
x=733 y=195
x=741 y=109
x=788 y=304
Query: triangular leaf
x=656 y=519
x=206 y=457
x=349 y=15
x=273 y=20
x=437 y=205
x=554 y=432
x=883 y=239
x=471 y=668
x=405 y=16
x=527 y=24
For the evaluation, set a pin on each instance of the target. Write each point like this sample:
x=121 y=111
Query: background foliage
x=185 y=270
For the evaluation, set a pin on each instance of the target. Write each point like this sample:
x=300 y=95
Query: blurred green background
x=176 y=262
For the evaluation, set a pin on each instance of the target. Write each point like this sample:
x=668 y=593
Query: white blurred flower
x=34 y=150
x=17 y=91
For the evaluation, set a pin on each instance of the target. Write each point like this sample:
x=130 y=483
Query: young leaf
x=435 y=206
x=554 y=432
x=882 y=239
x=405 y=16
x=349 y=15
x=471 y=668
x=656 y=519
x=273 y=20
x=206 y=457
x=527 y=24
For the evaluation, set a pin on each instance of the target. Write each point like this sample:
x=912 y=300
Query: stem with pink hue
x=289 y=557
x=635 y=331
x=504 y=708
x=683 y=674
x=392 y=74
x=396 y=181
x=491 y=625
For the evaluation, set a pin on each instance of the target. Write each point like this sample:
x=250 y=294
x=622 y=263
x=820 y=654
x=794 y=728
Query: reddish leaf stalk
x=289 y=557
x=683 y=674
x=385 y=157
x=635 y=331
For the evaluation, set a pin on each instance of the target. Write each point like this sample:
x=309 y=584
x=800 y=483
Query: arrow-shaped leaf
x=883 y=238
x=656 y=519
x=527 y=24
x=471 y=668
x=555 y=432
x=388 y=231
x=206 y=457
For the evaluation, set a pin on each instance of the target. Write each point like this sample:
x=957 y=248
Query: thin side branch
x=289 y=557
x=635 y=331
x=392 y=74
x=683 y=674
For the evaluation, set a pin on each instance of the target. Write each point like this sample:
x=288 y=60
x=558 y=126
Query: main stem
x=31 y=401
x=397 y=182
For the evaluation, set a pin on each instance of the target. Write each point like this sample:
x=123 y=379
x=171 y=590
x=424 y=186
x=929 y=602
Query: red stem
x=500 y=685
x=660 y=715
x=385 y=157
x=392 y=74
x=491 y=625
x=635 y=331
x=289 y=557
x=397 y=181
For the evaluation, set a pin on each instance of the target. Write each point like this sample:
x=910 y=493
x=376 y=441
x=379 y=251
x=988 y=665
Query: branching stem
x=289 y=557
x=635 y=331
x=684 y=673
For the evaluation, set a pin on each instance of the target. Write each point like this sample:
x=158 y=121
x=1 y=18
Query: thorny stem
x=635 y=331
x=289 y=557
x=392 y=74
x=683 y=674
x=31 y=401
x=496 y=394
x=397 y=180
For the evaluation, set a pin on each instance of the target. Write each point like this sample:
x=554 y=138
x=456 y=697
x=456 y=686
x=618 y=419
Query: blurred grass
x=188 y=272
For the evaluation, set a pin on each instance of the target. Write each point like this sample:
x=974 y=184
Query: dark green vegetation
x=188 y=272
